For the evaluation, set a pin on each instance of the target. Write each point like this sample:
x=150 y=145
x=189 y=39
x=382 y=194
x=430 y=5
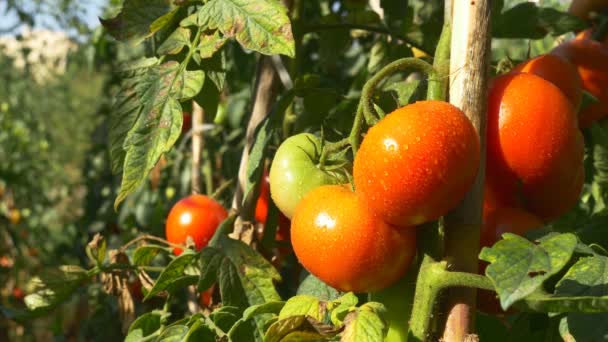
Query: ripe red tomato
x=295 y=171
x=206 y=296
x=497 y=221
x=557 y=71
x=18 y=293
x=339 y=240
x=187 y=124
x=534 y=148
x=417 y=163
x=197 y=216
x=589 y=57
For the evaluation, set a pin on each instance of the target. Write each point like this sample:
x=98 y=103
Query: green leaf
x=299 y=328
x=341 y=307
x=209 y=44
x=145 y=254
x=215 y=68
x=518 y=267
x=273 y=307
x=172 y=273
x=225 y=318
x=245 y=277
x=156 y=128
x=126 y=108
x=136 y=18
x=588 y=277
x=313 y=286
x=175 y=42
x=144 y=325
x=581 y=327
x=174 y=333
x=303 y=306
x=260 y=25
x=54 y=286
x=407 y=91
x=526 y=20
x=366 y=324
x=188 y=84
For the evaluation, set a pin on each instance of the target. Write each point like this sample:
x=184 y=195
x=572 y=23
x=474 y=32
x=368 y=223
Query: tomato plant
x=404 y=139
x=196 y=217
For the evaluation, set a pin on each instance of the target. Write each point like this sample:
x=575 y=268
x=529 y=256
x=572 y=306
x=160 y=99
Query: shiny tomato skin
x=340 y=241
x=534 y=147
x=197 y=216
x=558 y=71
x=417 y=163
x=294 y=172
x=187 y=123
x=589 y=57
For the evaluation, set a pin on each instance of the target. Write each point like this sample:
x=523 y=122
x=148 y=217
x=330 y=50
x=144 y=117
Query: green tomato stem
x=398 y=65
x=434 y=278
x=438 y=83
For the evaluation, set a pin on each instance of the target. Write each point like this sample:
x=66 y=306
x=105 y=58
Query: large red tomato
x=417 y=163
x=534 y=148
x=197 y=216
x=558 y=71
x=589 y=57
x=339 y=240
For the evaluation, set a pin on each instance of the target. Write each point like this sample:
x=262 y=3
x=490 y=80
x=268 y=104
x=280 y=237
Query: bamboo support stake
x=469 y=65
x=197 y=146
x=265 y=94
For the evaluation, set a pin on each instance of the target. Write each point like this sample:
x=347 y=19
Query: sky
x=92 y=10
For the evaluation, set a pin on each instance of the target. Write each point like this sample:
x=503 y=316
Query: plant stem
x=332 y=147
x=437 y=278
x=398 y=65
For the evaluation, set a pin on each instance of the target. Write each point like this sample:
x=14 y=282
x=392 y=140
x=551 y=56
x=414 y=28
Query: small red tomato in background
x=187 y=124
x=261 y=210
x=18 y=293
x=197 y=216
x=206 y=296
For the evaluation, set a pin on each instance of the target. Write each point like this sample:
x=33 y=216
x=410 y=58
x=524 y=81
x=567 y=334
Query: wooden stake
x=470 y=56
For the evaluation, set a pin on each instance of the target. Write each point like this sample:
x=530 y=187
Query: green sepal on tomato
x=295 y=171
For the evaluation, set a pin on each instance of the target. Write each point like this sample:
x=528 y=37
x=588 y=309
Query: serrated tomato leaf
x=145 y=254
x=304 y=305
x=518 y=267
x=299 y=328
x=366 y=324
x=174 y=272
x=313 y=286
x=245 y=277
x=260 y=25
x=135 y=20
x=175 y=42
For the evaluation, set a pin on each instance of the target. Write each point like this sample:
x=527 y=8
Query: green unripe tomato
x=295 y=171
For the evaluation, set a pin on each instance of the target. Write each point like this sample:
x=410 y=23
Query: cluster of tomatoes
x=418 y=163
